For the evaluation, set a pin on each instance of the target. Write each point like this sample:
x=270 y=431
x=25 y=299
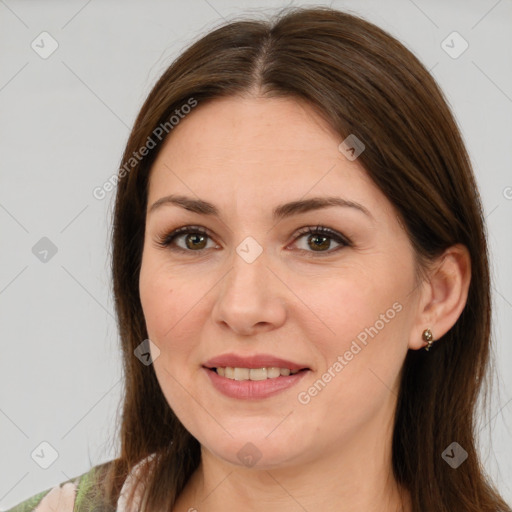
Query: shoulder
x=74 y=495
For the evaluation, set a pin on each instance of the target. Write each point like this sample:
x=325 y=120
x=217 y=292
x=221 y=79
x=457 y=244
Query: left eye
x=320 y=239
x=196 y=238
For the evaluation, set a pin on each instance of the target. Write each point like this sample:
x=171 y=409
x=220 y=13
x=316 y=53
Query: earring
x=429 y=338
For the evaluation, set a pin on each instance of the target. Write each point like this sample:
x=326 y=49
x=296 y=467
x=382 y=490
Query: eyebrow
x=280 y=212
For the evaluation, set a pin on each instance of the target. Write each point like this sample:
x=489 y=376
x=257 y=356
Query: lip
x=254 y=361
x=252 y=389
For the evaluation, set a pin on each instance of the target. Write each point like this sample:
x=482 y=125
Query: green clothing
x=85 y=501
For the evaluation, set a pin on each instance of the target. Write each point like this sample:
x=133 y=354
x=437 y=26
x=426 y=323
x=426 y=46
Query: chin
x=254 y=451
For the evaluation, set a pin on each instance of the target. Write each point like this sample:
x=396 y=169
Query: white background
x=64 y=121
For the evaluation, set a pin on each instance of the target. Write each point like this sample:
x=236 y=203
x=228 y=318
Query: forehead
x=252 y=129
x=256 y=149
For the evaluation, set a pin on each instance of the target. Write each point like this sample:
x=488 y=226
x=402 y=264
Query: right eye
x=195 y=239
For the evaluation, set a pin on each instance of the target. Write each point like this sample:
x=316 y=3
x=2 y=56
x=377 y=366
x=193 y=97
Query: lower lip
x=253 y=389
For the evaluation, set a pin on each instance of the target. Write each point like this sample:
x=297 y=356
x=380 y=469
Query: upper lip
x=254 y=361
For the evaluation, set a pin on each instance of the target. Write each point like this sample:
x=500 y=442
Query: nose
x=250 y=298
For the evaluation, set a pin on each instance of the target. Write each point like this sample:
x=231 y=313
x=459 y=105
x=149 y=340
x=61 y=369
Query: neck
x=358 y=477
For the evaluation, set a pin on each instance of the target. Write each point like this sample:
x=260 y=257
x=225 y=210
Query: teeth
x=258 y=374
x=273 y=372
x=254 y=373
x=241 y=373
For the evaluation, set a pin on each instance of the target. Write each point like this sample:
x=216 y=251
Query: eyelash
x=166 y=240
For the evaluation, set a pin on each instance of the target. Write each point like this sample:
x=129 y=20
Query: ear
x=443 y=295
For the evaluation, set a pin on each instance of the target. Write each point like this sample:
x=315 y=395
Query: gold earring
x=429 y=338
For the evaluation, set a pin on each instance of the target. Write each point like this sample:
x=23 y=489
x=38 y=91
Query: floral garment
x=78 y=495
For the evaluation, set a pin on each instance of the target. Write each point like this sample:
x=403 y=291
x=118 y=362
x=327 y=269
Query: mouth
x=254 y=377
x=254 y=374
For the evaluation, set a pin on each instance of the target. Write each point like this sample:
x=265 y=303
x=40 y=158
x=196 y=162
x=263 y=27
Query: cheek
x=361 y=361
x=354 y=304
x=171 y=303
x=364 y=332
x=167 y=305
x=163 y=296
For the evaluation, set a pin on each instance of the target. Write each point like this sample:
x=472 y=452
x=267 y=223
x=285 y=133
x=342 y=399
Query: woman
x=301 y=282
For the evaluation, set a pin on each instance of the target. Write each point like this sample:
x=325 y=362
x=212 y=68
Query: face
x=324 y=294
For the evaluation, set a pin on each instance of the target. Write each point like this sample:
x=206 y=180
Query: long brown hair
x=363 y=82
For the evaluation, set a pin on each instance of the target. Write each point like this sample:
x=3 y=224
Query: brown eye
x=320 y=239
x=319 y=242
x=195 y=241
x=185 y=239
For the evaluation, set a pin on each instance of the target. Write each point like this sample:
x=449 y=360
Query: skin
x=246 y=156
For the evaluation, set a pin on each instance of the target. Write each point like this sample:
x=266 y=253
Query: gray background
x=63 y=123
